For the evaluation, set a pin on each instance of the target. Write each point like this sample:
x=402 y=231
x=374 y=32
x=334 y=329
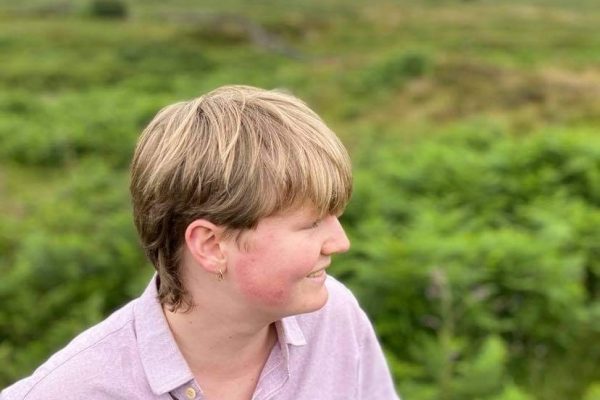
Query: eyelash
x=315 y=224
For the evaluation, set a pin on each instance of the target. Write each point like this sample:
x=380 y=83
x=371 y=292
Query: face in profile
x=279 y=267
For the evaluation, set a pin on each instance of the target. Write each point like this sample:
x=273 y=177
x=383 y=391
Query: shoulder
x=339 y=294
x=97 y=354
x=342 y=328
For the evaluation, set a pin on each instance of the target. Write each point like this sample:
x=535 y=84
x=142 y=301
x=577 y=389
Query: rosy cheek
x=260 y=285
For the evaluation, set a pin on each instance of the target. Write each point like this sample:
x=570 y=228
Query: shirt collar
x=163 y=363
x=291 y=331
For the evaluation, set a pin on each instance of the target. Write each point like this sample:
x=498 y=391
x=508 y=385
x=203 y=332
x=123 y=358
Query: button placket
x=190 y=393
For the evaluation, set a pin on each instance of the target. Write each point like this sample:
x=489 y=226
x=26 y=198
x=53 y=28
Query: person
x=236 y=198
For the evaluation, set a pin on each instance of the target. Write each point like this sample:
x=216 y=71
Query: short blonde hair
x=232 y=156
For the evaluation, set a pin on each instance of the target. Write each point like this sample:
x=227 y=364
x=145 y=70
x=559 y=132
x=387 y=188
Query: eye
x=316 y=223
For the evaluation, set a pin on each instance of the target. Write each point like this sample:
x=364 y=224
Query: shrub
x=392 y=71
x=75 y=261
x=108 y=9
x=478 y=246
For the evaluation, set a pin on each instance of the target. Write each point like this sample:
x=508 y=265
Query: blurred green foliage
x=488 y=247
x=108 y=9
x=474 y=130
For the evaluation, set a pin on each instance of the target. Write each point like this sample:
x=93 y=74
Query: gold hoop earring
x=220 y=276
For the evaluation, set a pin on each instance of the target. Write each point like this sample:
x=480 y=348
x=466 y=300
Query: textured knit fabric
x=328 y=354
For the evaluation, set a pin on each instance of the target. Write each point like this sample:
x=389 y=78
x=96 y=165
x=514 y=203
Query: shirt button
x=190 y=393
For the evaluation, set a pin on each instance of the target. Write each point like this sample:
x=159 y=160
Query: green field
x=474 y=129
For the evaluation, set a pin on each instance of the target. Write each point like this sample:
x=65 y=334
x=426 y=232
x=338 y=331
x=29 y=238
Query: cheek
x=260 y=281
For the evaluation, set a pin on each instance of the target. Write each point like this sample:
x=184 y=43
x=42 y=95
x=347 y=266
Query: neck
x=223 y=347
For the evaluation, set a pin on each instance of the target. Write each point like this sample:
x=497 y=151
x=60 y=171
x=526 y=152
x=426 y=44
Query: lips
x=316 y=274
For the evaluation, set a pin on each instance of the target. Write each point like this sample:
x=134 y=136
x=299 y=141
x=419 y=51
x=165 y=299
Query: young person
x=236 y=198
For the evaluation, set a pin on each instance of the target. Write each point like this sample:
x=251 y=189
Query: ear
x=203 y=241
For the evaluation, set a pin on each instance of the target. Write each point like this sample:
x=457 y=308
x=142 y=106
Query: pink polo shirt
x=328 y=354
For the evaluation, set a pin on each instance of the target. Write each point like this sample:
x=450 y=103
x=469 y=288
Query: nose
x=337 y=241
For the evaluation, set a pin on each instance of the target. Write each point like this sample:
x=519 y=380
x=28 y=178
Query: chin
x=314 y=301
